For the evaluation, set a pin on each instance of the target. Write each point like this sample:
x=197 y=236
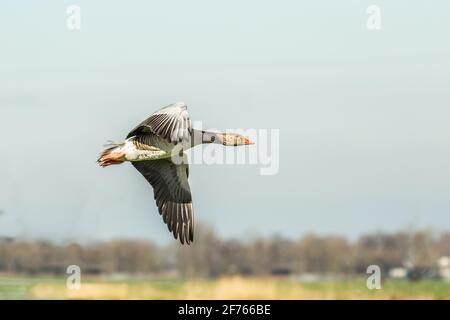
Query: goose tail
x=113 y=154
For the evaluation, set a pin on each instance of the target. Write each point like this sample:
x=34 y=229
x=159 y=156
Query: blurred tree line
x=210 y=256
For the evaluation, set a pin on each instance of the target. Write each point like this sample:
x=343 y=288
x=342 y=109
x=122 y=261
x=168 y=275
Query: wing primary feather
x=191 y=224
x=182 y=223
x=183 y=215
x=172 y=195
x=169 y=216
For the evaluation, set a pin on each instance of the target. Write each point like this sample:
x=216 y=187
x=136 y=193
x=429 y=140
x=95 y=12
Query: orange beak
x=248 y=141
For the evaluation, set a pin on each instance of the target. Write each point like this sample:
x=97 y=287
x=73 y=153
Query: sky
x=362 y=114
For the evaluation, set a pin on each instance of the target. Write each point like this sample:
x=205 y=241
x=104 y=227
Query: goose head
x=233 y=139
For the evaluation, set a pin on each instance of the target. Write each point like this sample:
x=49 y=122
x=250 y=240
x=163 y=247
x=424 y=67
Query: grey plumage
x=172 y=194
x=171 y=123
x=169 y=180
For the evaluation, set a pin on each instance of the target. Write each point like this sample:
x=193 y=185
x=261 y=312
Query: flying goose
x=155 y=148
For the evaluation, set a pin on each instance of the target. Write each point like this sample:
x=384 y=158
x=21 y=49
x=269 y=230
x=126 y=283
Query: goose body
x=147 y=147
x=155 y=148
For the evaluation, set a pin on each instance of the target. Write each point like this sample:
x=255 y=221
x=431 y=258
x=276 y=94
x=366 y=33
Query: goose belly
x=143 y=148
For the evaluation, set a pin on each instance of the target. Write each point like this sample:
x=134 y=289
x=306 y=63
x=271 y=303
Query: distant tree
x=202 y=258
x=210 y=256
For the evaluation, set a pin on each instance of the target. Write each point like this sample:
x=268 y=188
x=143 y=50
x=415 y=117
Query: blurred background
x=363 y=151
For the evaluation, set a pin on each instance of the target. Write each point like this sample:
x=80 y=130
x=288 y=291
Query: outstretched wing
x=171 y=123
x=172 y=194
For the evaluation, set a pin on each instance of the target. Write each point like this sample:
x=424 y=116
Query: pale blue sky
x=363 y=115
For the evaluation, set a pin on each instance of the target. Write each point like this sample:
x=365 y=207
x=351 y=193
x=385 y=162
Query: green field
x=17 y=287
